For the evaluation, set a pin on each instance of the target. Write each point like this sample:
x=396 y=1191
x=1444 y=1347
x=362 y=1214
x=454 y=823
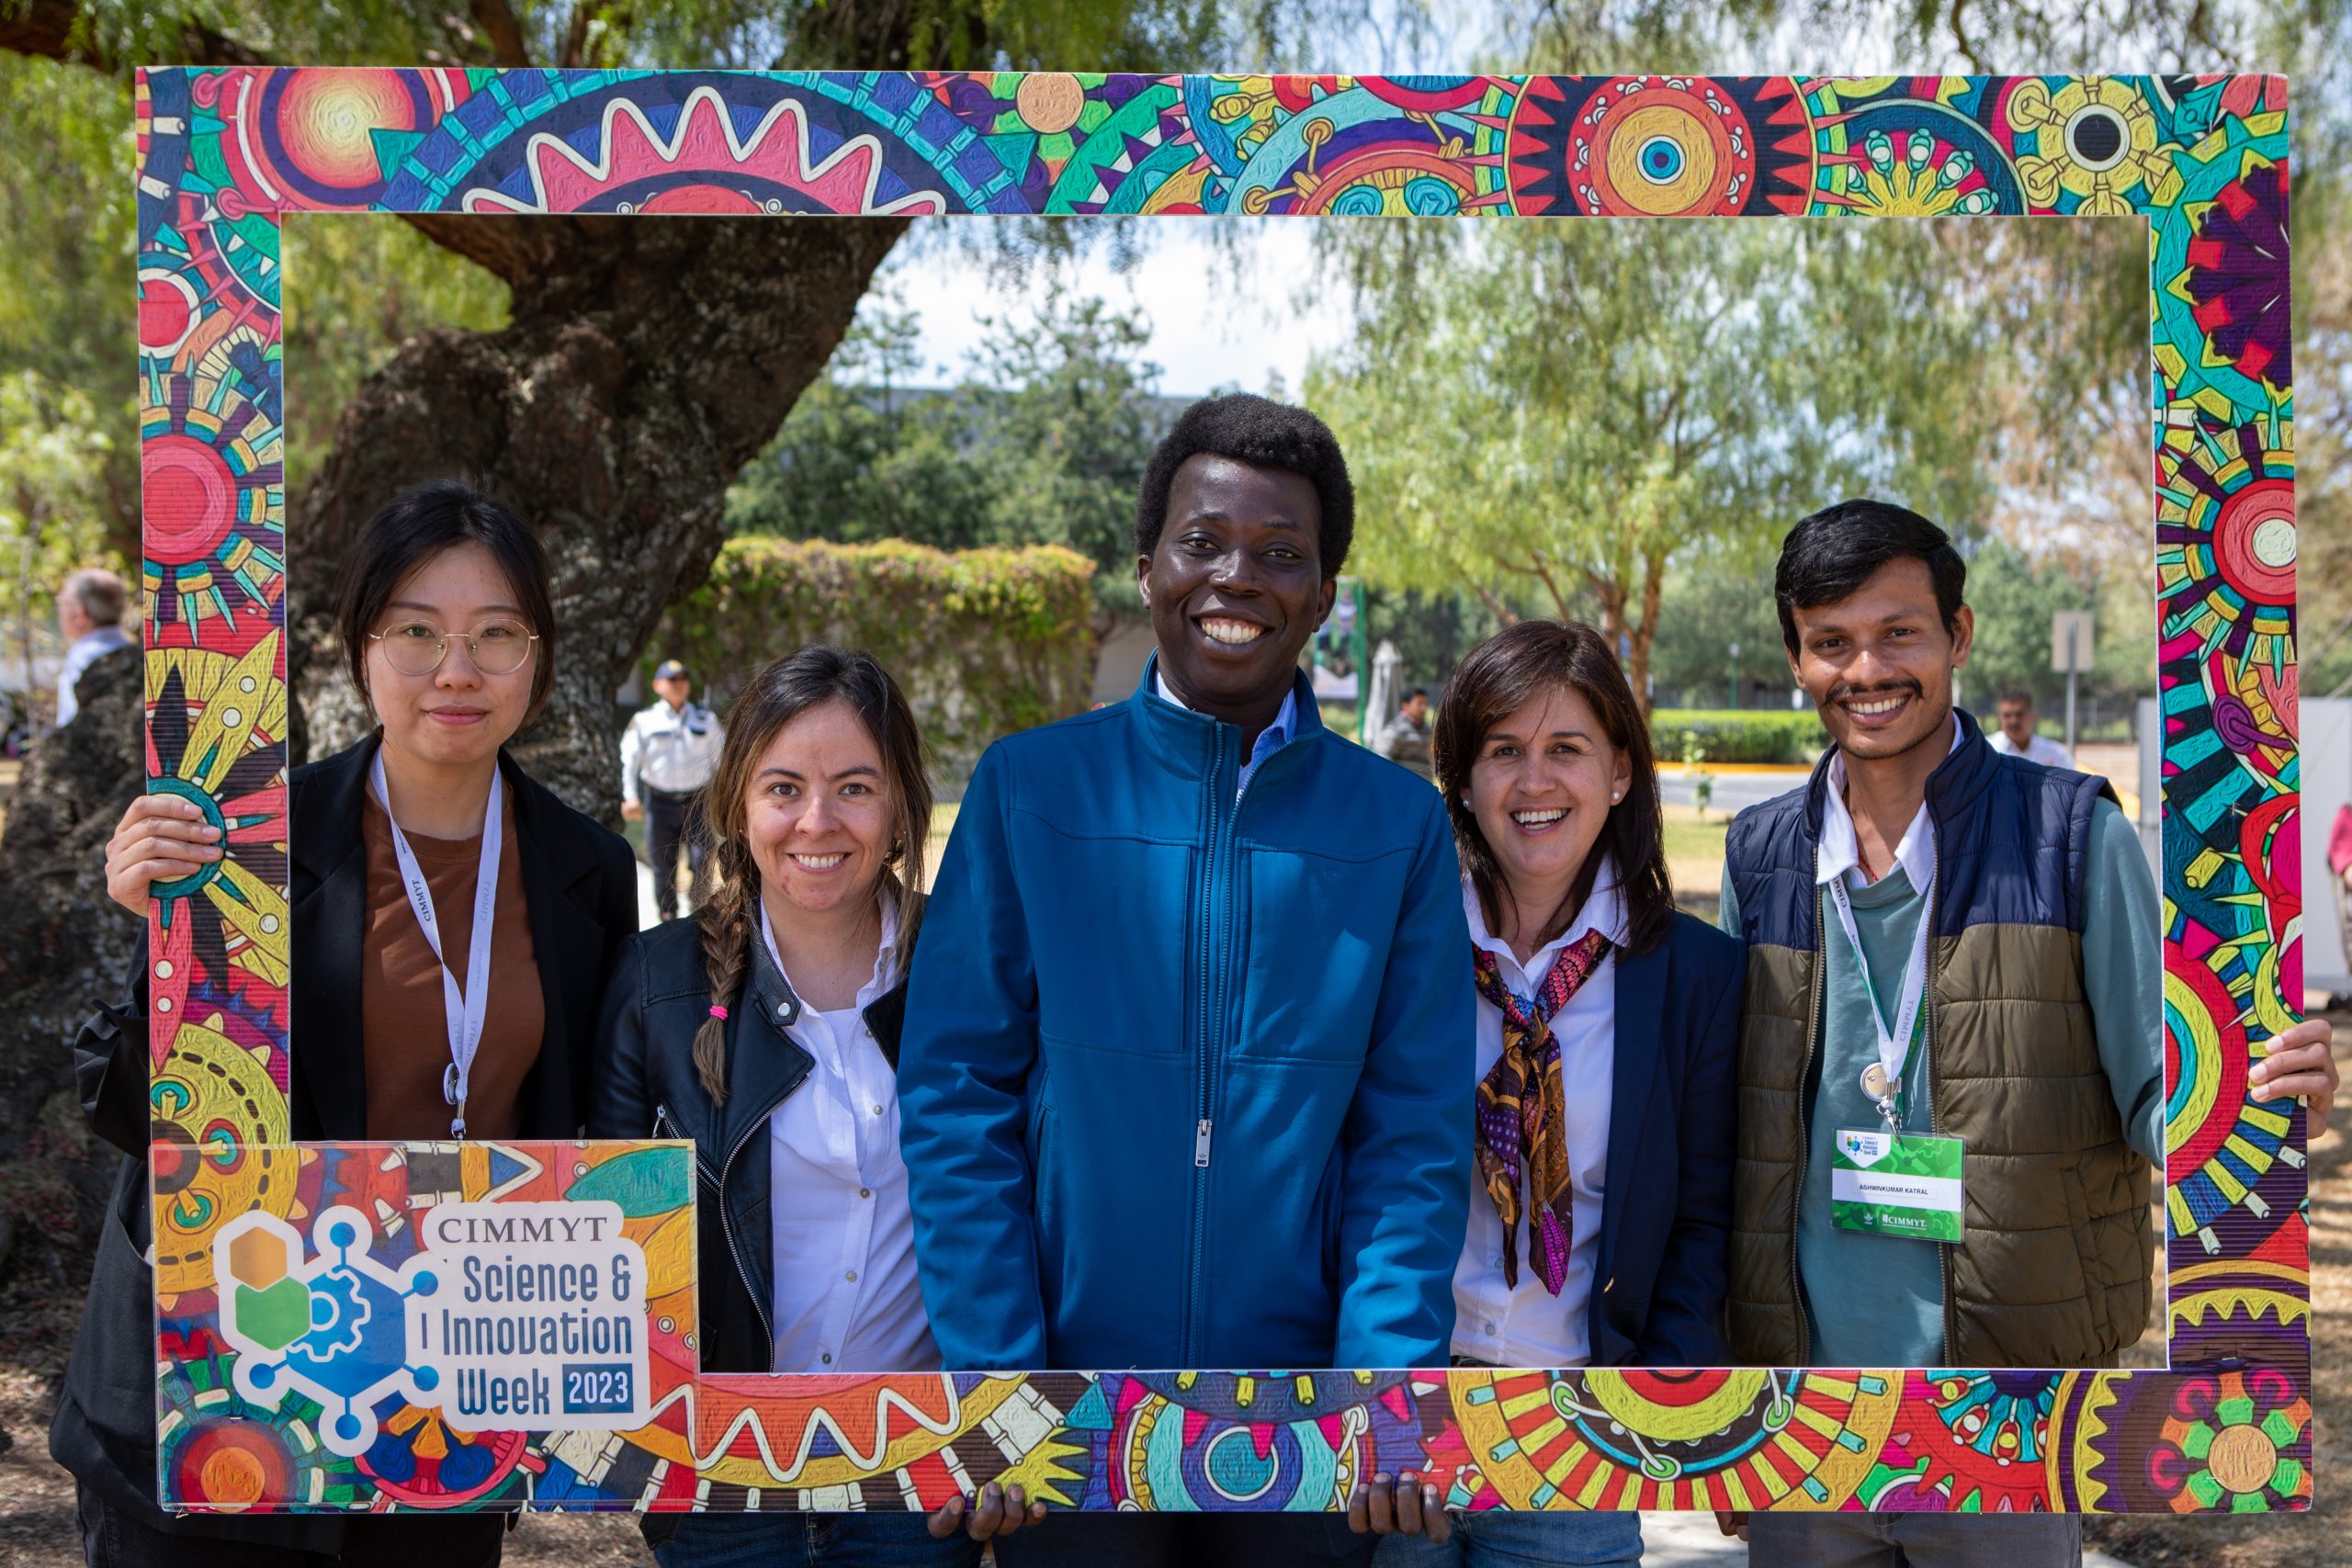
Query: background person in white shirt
x=668 y=753
x=765 y=1029
x=2015 y=738
x=89 y=613
x=1607 y=1041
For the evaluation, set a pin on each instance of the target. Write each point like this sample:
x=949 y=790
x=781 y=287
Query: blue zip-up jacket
x=1187 y=1081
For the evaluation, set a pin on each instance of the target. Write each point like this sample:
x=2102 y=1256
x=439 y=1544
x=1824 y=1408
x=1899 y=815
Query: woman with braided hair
x=765 y=1027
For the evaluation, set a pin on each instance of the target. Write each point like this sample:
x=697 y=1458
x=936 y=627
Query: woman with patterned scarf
x=1606 y=1033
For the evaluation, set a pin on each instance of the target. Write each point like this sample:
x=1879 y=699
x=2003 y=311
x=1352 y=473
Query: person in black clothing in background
x=445 y=624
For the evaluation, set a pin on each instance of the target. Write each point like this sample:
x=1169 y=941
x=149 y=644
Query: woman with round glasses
x=452 y=924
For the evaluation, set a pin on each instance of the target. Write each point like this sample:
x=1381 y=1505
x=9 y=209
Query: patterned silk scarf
x=1523 y=1112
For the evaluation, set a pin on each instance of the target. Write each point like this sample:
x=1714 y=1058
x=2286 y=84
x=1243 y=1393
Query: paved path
x=1734 y=790
x=1692 y=1540
x=648 y=915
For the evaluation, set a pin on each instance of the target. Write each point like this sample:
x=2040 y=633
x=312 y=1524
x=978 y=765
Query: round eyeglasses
x=417 y=648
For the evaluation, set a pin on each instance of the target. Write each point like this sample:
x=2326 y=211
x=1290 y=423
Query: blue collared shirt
x=1271 y=740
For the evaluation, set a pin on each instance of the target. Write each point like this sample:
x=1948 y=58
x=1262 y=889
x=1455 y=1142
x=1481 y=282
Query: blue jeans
x=1186 y=1540
x=1496 y=1539
x=1914 y=1540
x=812 y=1540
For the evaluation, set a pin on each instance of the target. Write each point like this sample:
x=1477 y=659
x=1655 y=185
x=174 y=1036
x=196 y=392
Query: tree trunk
x=1611 y=594
x=646 y=363
x=1642 y=635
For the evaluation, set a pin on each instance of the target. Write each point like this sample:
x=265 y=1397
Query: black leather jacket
x=643 y=1085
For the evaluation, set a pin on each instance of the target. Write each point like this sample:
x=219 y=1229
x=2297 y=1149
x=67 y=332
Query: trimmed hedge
x=983 y=642
x=1739 y=735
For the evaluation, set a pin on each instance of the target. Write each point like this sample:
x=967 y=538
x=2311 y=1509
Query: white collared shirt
x=87 y=650
x=2038 y=748
x=674 y=751
x=1839 y=853
x=1529 y=1327
x=845 y=1298
x=1271 y=740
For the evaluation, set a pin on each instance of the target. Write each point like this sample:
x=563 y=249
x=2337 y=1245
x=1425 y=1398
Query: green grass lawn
x=1694 y=852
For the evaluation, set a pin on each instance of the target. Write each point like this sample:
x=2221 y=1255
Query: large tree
x=640 y=364
x=630 y=370
x=2095 y=383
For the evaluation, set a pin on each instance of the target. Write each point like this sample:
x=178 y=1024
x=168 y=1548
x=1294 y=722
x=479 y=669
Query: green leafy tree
x=1042 y=444
x=2014 y=598
x=65 y=204
x=53 y=481
x=2081 y=427
x=1068 y=426
x=364 y=287
x=1432 y=629
x=1718 y=601
x=865 y=455
x=1562 y=412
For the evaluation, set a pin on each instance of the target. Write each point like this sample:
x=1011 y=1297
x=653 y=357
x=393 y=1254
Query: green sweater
x=1877 y=1301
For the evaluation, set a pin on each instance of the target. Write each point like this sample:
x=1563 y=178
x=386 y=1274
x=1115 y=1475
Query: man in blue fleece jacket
x=1187 y=1068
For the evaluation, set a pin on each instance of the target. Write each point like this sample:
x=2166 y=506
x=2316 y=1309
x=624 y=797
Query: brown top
x=401 y=1014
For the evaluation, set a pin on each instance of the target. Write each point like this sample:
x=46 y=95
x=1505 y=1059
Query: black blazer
x=580 y=883
x=1659 y=1279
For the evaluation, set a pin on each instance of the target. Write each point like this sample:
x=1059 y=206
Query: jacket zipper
x=1804 y=1135
x=1213 y=1073
x=727 y=1220
x=1213 y=906
x=662 y=1119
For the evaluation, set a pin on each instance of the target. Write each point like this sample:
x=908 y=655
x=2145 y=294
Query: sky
x=1221 y=314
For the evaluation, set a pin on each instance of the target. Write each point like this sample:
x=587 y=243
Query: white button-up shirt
x=846 y=1296
x=2038 y=748
x=87 y=650
x=1271 y=740
x=1530 y=1327
x=1838 y=854
x=674 y=751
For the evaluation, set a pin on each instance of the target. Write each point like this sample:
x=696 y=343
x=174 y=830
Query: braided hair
x=727 y=893
x=724 y=907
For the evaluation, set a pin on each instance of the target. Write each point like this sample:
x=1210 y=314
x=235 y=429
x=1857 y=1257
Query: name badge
x=1895 y=1183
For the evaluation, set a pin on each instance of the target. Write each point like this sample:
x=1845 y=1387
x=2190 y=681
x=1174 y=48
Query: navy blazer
x=1659 y=1283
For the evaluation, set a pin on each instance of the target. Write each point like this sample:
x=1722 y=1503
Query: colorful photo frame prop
x=252 y=1408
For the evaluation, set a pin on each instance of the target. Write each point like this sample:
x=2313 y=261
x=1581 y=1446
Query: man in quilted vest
x=1951 y=1077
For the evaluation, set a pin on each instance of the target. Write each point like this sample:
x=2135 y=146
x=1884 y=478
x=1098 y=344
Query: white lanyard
x=1894 y=1045
x=463 y=1014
